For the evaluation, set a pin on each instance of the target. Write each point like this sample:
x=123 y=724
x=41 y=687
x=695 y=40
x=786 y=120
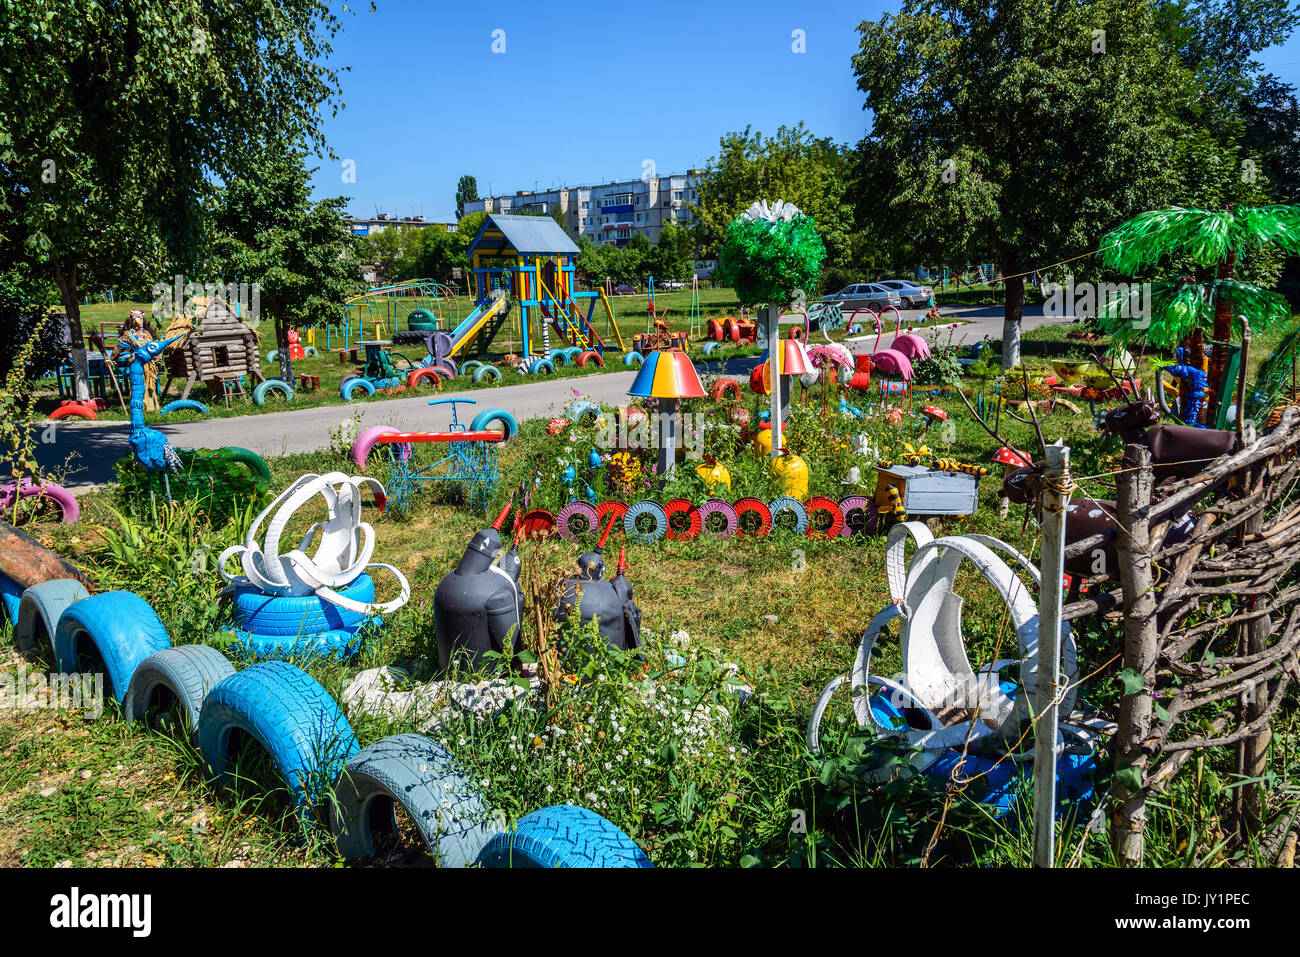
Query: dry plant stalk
x=543 y=582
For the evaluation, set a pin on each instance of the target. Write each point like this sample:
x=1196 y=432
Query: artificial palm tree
x=1180 y=309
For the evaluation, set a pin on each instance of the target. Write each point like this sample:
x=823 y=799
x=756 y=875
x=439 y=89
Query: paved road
x=93 y=447
x=97 y=445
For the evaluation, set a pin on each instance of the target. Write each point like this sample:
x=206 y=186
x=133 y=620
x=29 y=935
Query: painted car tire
x=642 y=509
x=784 y=503
x=747 y=508
x=717 y=507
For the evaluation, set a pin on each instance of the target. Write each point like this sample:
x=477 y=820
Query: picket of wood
x=1211 y=622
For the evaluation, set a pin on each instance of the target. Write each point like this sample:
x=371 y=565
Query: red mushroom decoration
x=934 y=414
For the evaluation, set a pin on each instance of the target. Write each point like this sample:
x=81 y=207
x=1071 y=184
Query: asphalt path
x=89 y=449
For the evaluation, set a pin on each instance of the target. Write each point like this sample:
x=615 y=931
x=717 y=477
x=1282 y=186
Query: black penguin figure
x=600 y=598
x=478 y=607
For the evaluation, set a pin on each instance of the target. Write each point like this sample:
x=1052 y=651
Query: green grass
x=101 y=793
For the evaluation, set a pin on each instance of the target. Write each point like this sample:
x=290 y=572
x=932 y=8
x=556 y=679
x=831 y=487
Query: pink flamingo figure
x=889 y=361
x=909 y=344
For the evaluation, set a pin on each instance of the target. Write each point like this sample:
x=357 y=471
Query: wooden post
x=1252 y=753
x=26 y=562
x=1055 y=501
x=1128 y=815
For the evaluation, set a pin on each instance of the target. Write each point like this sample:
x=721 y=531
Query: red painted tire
x=537 y=524
x=731 y=330
x=589 y=356
x=818 y=507
x=714 y=330
x=416 y=376
x=796 y=333
x=75 y=410
x=684 y=521
x=749 y=509
x=617 y=509
x=723 y=387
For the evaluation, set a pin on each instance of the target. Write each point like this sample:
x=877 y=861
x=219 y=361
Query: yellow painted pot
x=793 y=473
x=763 y=442
x=714 y=474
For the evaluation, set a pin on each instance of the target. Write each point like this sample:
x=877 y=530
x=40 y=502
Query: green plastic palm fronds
x=1204 y=235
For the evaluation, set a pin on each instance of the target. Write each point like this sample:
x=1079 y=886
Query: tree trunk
x=67 y=283
x=282 y=348
x=1253 y=751
x=1014 y=309
x=1128 y=814
x=1222 y=335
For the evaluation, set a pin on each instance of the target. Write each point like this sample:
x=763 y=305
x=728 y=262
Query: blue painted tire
x=349 y=386
x=563 y=836
x=639 y=510
x=500 y=417
x=180 y=676
x=579 y=409
x=272 y=385
x=273 y=356
x=337 y=643
x=542 y=367
x=423 y=778
x=294 y=615
x=487 y=373
x=121 y=626
x=39 y=611
x=311 y=352
x=180 y=405
x=468 y=368
x=290 y=715
x=559 y=357
x=633 y=360
x=709 y=348
x=855 y=329
x=783 y=504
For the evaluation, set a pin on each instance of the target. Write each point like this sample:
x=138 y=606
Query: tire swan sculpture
x=940 y=703
x=295 y=593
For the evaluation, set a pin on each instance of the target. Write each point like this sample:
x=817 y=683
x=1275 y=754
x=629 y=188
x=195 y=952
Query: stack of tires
x=301 y=727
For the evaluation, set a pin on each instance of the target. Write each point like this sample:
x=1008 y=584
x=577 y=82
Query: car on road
x=871 y=295
x=914 y=294
x=671 y=284
x=623 y=289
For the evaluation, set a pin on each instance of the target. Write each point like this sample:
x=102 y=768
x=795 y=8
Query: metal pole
x=770 y=316
x=1056 y=499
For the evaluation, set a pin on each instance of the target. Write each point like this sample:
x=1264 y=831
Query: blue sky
x=584 y=92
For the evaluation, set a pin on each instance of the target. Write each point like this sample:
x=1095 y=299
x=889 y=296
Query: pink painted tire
x=55 y=493
x=571 y=530
x=366 y=441
x=718 y=519
x=860 y=516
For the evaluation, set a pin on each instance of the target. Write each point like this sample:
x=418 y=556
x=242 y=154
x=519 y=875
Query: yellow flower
x=537 y=742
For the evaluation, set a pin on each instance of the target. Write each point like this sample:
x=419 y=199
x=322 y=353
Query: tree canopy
x=1020 y=132
x=116 y=119
x=266 y=230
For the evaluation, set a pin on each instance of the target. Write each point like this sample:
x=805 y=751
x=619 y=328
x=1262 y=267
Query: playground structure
x=426 y=304
x=531 y=259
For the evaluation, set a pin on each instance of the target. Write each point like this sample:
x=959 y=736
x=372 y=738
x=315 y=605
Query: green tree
x=674 y=256
x=795 y=166
x=115 y=117
x=1020 y=131
x=266 y=230
x=466 y=191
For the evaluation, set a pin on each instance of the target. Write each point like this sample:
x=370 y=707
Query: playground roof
x=527 y=235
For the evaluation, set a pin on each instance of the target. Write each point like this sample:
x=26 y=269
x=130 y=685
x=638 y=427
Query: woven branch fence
x=1211 y=620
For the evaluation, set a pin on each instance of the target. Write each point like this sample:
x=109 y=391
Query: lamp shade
x=667 y=375
x=794 y=358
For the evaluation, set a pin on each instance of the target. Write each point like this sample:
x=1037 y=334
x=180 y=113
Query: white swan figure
x=346 y=544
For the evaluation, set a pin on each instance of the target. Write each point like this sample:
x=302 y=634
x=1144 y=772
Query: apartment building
x=610 y=213
x=382 y=221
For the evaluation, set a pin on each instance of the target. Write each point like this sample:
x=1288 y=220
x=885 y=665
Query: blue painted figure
x=151 y=448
